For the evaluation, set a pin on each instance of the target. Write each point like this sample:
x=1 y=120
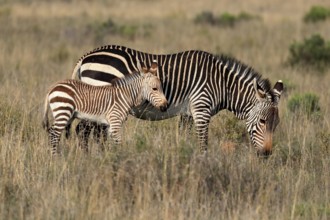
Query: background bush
x=307 y=103
x=109 y=27
x=314 y=51
x=317 y=13
x=226 y=19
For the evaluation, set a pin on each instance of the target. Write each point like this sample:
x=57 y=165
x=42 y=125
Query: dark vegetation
x=313 y=51
x=224 y=20
x=316 y=14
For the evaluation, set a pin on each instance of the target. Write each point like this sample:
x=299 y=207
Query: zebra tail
x=76 y=71
x=45 y=122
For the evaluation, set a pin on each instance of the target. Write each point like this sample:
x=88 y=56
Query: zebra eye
x=262 y=121
x=155 y=89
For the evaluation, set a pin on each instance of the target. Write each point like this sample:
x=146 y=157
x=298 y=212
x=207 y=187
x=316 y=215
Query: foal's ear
x=278 y=89
x=260 y=94
x=144 y=69
x=153 y=68
x=141 y=67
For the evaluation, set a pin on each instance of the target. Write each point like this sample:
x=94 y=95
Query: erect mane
x=129 y=78
x=248 y=72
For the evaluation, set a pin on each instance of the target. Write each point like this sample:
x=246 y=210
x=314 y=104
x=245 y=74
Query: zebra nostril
x=163 y=108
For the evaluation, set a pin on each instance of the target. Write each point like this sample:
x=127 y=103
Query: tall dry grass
x=158 y=173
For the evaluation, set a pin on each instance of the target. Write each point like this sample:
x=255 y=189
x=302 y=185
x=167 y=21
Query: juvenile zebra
x=108 y=105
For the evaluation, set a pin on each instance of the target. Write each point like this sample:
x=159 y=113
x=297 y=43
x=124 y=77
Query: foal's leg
x=55 y=132
x=83 y=131
x=115 y=125
x=101 y=132
x=54 y=139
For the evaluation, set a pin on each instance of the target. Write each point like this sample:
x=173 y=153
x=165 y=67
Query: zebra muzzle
x=163 y=107
x=268 y=142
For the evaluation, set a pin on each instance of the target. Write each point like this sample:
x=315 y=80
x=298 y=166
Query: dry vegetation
x=158 y=174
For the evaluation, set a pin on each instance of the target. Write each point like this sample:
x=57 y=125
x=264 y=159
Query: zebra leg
x=185 y=124
x=68 y=131
x=54 y=138
x=202 y=120
x=101 y=131
x=83 y=131
x=114 y=130
x=115 y=135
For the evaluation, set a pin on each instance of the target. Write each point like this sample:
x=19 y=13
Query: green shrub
x=128 y=31
x=314 y=51
x=109 y=27
x=246 y=16
x=205 y=17
x=102 y=29
x=289 y=86
x=225 y=19
x=317 y=13
x=307 y=103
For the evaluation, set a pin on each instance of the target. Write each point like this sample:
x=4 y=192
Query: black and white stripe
x=196 y=84
x=109 y=104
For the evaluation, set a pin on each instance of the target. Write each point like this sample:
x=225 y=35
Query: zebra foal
x=108 y=105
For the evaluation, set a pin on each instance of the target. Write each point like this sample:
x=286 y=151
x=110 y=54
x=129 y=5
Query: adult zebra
x=197 y=85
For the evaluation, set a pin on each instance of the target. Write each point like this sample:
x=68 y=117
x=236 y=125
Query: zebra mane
x=246 y=71
x=129 y=78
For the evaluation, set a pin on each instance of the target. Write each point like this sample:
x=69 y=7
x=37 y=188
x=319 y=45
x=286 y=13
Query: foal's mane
x=129 y=78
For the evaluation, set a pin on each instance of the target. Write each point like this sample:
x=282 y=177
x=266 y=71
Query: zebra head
x=263 y=118
x=152 y=90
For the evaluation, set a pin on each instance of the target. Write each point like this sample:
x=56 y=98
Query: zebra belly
x=148 y=112
x=95 y=118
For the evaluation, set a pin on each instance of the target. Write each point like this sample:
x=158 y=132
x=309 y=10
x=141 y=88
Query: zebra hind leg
x=101 y=135
x=54 y=139
x=68 y=131
x=83 y=131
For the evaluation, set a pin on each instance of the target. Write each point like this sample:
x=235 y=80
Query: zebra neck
x=239 y=98
x=131 y=92
x=241 y=102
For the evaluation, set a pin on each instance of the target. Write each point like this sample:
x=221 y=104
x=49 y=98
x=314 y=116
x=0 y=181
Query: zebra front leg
x=185 y=124
x=202 y=120
x=115 y=125
x=115 y=135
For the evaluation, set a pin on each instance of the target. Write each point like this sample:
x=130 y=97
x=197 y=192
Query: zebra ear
x=259 y=93
x=153 y=68
x=278 y=89
x=144 y=70
x=141 y=67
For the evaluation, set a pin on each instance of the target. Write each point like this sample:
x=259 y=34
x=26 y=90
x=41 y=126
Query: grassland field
x=158 y=173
